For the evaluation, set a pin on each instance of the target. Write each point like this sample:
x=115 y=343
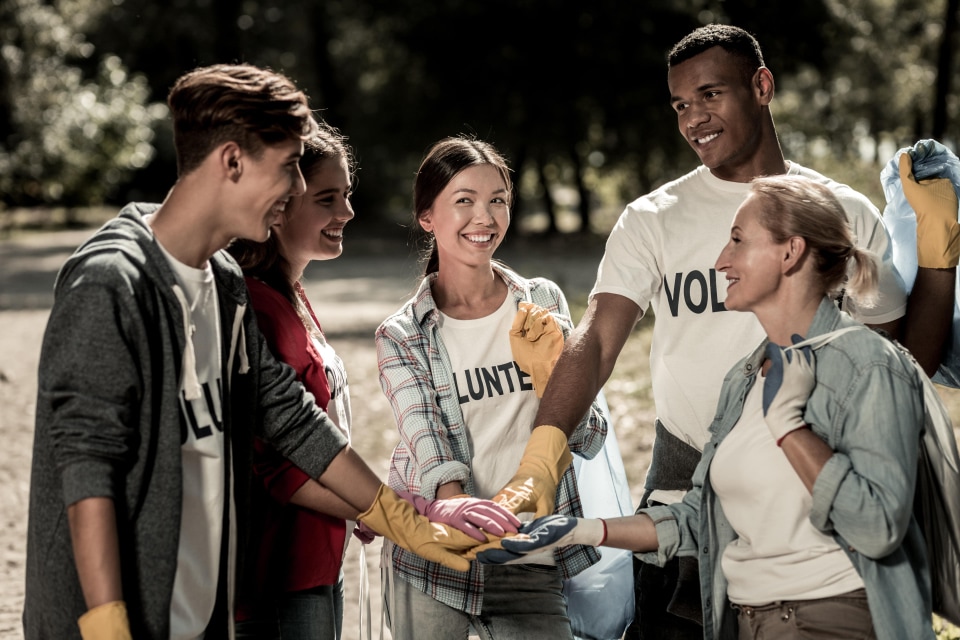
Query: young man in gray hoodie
x=154 y=378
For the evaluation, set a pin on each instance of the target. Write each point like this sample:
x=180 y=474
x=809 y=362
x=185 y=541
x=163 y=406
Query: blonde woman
x=801 y=507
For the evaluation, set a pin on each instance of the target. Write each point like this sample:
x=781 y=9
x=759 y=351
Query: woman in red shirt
x=294 y=588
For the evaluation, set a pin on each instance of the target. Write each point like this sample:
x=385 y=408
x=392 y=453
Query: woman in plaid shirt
x=465 y=408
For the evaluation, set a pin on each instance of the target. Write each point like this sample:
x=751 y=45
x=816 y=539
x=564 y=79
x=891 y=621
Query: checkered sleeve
x=408 y=381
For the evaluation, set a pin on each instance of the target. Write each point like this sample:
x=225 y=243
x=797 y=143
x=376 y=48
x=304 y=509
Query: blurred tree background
x=574 y=93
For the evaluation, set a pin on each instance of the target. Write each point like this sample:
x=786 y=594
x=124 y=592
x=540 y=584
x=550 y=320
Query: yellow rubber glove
x=935 y=203
x=536 y=341
x=493 y=542
x=105 y=622
x=534 y=487
x=393 y=517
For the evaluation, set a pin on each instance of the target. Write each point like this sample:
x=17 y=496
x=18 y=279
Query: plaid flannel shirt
x=434 y=448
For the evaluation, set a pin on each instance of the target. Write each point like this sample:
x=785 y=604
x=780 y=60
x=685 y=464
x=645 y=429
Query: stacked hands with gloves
x=786 y=387
x=442 y=531
x=456 y=530
x=536 y=341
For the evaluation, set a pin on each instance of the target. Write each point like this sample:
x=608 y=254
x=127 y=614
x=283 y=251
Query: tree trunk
x=945 y=70
x=331 y=94
x=547 y=198
x=583 y=206
x=226 y=44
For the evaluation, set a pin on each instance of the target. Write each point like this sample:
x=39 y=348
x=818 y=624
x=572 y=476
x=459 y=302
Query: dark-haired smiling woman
x=463 y=364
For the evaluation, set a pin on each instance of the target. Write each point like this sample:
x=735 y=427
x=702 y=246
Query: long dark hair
x=263 y=260
x=443 y=161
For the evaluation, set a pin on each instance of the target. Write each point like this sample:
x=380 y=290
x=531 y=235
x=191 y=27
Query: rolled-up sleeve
x=677 y=524
x=408 y=385
x=90 y=384
x=89 y=379
x=865 y=491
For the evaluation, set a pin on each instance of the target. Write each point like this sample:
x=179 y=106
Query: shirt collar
x=425 y=308
x=826 y=319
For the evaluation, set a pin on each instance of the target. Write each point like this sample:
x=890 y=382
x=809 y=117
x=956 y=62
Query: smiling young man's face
x=270 y=181
x=720 y=111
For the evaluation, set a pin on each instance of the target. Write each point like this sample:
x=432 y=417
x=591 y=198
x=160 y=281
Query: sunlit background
x=574 y=93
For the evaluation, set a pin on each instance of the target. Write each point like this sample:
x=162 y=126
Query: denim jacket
x=868 y=407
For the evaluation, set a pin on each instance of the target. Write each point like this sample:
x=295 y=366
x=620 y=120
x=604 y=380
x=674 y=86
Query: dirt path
x=351 y=296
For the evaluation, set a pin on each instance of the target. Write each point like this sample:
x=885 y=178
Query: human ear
x=794 y=252
x=763 y=85
x=426 y=221
x=230 y=158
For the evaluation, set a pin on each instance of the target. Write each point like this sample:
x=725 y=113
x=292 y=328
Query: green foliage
x=573 y=93
x=873 y=90
x=66 y=138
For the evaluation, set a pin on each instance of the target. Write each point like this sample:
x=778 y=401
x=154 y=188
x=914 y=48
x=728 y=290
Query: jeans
x=520 y=602
x=313 y=614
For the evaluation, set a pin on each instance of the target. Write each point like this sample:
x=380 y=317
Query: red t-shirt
x=297 y=548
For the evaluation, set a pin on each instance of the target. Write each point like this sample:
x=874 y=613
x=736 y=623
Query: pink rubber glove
x=472 y=516
x=364 y=534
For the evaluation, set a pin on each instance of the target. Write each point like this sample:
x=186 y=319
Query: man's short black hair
x=733 y=40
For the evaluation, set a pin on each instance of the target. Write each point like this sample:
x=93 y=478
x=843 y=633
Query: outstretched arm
x=584 y=365
x=587 y=361
x=313 y=495
x=925 y=329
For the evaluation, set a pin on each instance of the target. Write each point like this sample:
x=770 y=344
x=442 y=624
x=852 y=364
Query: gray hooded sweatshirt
x=108 y=421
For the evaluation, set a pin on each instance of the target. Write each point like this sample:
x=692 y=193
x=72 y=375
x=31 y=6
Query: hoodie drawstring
x=190 y=383
x=238 y=344
x=818 y=341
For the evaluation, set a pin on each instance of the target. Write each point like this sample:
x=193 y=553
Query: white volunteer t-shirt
x=662 y=253
x=497 y=399
x=202 y=461
x=778 y=554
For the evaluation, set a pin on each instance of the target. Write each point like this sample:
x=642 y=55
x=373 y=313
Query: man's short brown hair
x=243 y=103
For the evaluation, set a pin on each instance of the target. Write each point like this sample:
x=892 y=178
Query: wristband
x=604 y=538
